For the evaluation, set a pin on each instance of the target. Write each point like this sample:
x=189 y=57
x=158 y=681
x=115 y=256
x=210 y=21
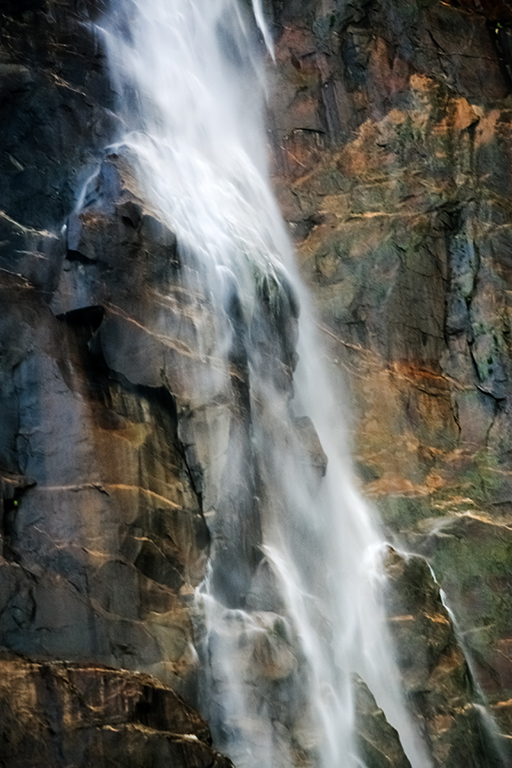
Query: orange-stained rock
x=401 y=208
x=68 y=714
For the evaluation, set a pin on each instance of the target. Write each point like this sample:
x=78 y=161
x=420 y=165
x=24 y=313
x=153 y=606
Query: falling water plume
x=292 y=604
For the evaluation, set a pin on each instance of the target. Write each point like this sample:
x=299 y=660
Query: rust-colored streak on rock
x=403 y=224
x=86 y=714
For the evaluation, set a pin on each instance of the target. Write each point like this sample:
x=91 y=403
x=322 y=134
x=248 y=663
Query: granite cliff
x=389 y=126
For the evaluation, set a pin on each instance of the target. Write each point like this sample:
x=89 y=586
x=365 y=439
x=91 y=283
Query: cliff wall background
x=390 y=127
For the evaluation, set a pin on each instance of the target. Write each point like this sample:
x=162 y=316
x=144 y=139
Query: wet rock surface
x=378 y=742
x=437 y=678
x=102 y=536
x=391 y=129
x=94 y=439
x=57 y=714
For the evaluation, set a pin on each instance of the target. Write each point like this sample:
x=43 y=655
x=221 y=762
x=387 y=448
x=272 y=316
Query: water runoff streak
x=292 y=605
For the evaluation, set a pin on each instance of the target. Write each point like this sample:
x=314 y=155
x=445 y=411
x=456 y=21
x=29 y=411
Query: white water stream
x=282 y=649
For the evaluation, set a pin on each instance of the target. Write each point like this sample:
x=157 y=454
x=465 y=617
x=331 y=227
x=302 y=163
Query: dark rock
x=118 y=544
x=309 y=439
x=378 y=741
x=63 y=714
x=392 y=161
x=436 y=674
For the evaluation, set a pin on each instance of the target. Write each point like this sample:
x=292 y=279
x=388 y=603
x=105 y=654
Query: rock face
x=378 y=742
x=392 y=158
x=391 y=128
x=436 y=674
x=102 y=532
x=63 y=714
x=94 y=440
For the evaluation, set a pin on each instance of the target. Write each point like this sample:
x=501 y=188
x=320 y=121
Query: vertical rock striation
x=101 y=525
x=391 y=128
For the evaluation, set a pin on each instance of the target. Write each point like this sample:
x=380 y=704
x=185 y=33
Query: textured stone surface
x=94 y=440
x=102 y=536
x=378 y=741
x=437 y=678
x=56 y=714
x=102 y=531
x=391 y=128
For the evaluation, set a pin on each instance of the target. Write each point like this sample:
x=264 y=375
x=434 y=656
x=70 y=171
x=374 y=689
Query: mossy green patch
x=473 y=561
x=403 y=513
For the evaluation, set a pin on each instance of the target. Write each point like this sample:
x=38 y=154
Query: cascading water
x=292 y=604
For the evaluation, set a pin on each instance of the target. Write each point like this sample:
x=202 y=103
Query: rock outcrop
x=391 y=127
x=56 y=714
x=95 y=441
x=102 y=532
x=436 y=674
x=378 y=742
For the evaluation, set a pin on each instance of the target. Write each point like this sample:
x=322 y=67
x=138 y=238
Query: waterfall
x=292 y=603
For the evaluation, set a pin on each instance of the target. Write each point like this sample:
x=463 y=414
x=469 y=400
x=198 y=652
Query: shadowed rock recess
x=391 y=129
